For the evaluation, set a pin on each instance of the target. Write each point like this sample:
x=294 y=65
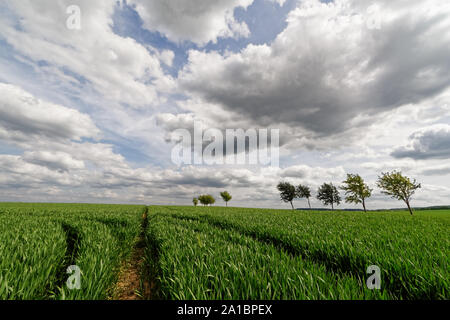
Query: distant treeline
x=424 y=208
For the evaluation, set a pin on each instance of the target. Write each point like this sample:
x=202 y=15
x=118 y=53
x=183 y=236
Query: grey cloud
x=314 y=81
x=171 y=123
x=15 y=171
x=313 y=173
x=119 y=69
x=324 y=77
x=429 y=143
x=208 y=177
x=23 y=117
x=200 y=182
x=53 y=160
x=436 y=171
x=50 y=136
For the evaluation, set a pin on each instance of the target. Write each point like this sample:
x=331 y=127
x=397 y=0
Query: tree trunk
x=364 y=206
x=309 y=203
x=226 y=204
x=292 y=205
x=409 y=207
x=332 y=206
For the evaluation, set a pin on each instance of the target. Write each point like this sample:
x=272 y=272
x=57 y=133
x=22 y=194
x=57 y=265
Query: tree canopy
x=328 y=194
x=304 y=191
x=356 y=190
x=226 y=197
x=398 y=186
x=287 y=192
x=206 y=199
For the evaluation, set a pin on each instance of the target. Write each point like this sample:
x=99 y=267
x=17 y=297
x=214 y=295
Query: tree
x=287 y=192
x=195 y=201
x=303 y=192
x=226 y=197
x=398 y=186
x=206 y=199
x=356 y=190
x=329 y=194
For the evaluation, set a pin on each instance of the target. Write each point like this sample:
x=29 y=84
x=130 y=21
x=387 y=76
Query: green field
x=223 y=253
x=39 y=241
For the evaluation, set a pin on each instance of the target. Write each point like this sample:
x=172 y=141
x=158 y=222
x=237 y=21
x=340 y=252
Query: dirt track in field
x=131 y=286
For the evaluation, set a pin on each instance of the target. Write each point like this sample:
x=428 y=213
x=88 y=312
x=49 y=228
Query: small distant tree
x=304 y=192
x=287 y=192
x=398 y=186
x=206 y=199
x=226 y=197
x=195 y=201
x=202 y=200
x=356 y=190
x=211 y=199
x=329 y=194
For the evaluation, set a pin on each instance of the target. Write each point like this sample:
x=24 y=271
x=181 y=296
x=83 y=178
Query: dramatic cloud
x=440 y=170
x=199 y=21
x=51 y=135
x=88 y=115
x=53 y=160
x=16 y=173
x=120 y=69
x=428 y=143
x=332 y=68
x=313 y=174
x=23 y=117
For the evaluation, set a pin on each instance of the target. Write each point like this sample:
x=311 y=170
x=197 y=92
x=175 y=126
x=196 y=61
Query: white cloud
x=328 y=74
x=389 y=165
x=51 y=137
x=16 y=173
x=120 y=69
x=327 y=81
x=313 y=173
x=167 y=57
x=58 y=160
x=280 y=2
x=22 y=117
x=199 y=21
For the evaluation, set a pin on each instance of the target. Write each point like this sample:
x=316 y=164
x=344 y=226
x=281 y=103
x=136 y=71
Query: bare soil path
x=131 y=285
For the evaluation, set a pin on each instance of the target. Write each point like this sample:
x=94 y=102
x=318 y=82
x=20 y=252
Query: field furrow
x=162 y=252
x=347 y=245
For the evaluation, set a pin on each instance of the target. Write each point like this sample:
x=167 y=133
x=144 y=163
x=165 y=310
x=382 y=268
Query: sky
x=90 y=98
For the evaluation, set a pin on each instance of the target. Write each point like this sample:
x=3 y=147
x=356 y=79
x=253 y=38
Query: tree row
x=393 y=184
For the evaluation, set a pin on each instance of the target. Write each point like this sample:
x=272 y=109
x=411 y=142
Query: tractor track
x=133 y=284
